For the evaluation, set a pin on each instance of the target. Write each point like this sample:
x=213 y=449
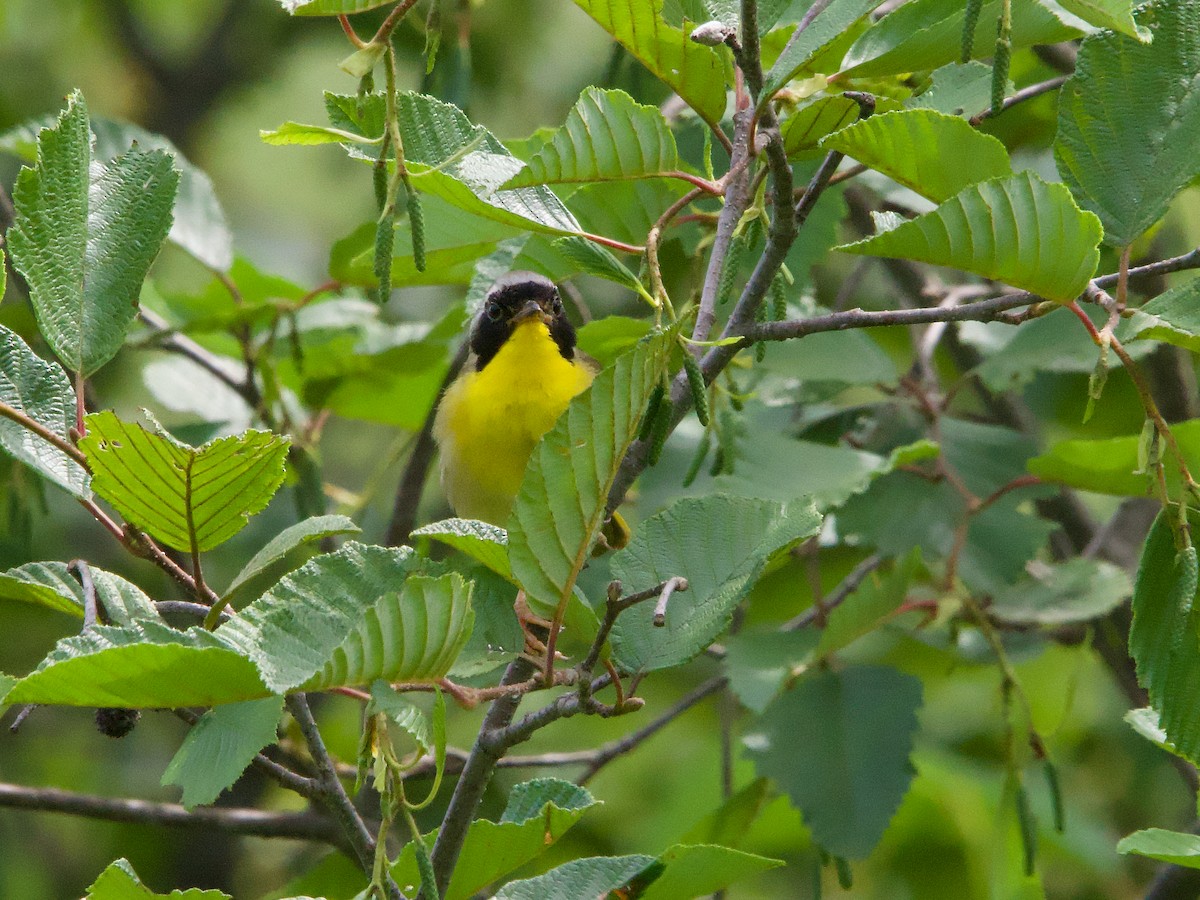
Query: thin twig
x=848 y=586
x=610 y=751
x=1025 y=93
x=334 y=795
x=309 y=826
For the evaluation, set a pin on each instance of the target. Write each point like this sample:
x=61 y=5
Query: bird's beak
x=531 y=310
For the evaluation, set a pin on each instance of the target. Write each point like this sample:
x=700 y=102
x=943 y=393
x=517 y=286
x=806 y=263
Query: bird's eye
x=493 y=311
x=558 y=307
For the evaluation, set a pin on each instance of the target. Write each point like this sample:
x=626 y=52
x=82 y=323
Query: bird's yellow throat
x=490 y=420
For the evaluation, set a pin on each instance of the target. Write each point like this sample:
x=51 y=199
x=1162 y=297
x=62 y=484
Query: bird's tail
x=615 y=534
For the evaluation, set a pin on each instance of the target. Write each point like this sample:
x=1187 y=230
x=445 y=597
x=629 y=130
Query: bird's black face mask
x=514 y=298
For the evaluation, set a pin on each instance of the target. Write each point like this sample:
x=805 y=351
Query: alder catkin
x=651 y=413
x=698 y=459
x=970 y=20
x=416 y=222
x=699 y=389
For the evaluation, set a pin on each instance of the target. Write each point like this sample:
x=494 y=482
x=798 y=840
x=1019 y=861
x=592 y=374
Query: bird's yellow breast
x=490 y=420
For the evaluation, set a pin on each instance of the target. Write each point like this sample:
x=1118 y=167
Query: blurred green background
x=210 y=75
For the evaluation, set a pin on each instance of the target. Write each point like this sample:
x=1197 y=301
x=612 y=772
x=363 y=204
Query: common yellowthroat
x=522 y=371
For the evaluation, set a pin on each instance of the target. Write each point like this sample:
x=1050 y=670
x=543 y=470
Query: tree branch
x=309 y=826
x=476 y=775
x=610 y=751
x=330 y=791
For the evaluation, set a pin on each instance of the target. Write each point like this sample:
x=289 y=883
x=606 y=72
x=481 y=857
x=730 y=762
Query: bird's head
x=516 y=300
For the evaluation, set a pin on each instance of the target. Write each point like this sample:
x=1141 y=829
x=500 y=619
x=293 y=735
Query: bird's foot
x=535 y=641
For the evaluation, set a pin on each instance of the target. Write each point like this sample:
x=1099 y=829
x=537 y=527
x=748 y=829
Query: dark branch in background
x=309 y=826
x=164 y=338
x=412 y=482
x=242 y=47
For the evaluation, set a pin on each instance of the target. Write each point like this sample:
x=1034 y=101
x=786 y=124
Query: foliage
x=889 y=313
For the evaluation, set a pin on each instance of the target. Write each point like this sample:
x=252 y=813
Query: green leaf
x=838 y=744
x=1116 y=15
x=199 y=225
x=729 y=824
x=41 y=391
x=593 y=259
x=483 y=542
x=187 y=497
x=1019 y=230
x=407 y=716
x=1174 y=847
x=220 y=746
x=837 y=18
x=957 y=89
x=561 y=504
x=492 y=850
x=1129 y=175
x=330 y=7
x=6 y=683
x=1173 y=316
x=697 y=871
x=1109 y=465
x=51 y=584
x=1052 y=343
x=912 y=147
x=695 y=72
x=145 y=664
x=497 y=637
x=863 y=611
x=120 y=882
x=927 y=34
x=1077 y=590
x=314 y=528
x=290 y=133
x=758 y=662
x=1144 y=721
x=1162 y=637
x=351 y=617
x=84 y=236
x=721 y=545
x=607 y=136
x=803 y=130
x=607 y=338
x=594 y=876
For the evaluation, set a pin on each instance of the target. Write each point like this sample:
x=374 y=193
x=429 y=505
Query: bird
x=522 y=371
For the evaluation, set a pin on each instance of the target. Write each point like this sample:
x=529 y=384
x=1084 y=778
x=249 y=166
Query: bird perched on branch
x=522 y=371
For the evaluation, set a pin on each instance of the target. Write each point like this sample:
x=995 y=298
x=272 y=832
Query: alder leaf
x=695 y=72
x=314 y=528
x=52 y=585
x=351 y=617
x=1018 y=229
x=85 y=234
x=40 y=390
x=607 y=136
x=219 y=747
x=1129 y=175
x=913 y=146
x=190 y=498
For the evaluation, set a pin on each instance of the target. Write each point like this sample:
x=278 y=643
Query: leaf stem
x=57 y=441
